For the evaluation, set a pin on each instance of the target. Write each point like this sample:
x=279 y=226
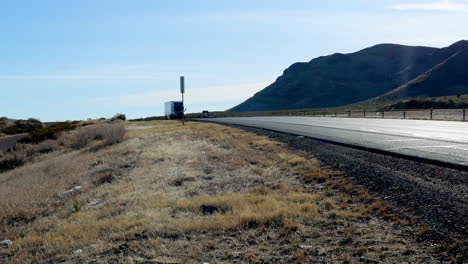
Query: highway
x=439 y=141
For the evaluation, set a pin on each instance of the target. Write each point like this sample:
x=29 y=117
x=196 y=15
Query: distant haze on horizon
x=63 y=60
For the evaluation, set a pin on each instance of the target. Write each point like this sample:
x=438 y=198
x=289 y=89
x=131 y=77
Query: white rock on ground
x=76 y=188
x=6 y=242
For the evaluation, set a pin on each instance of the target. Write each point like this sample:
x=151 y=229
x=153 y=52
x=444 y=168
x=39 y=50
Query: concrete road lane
x=441 y=141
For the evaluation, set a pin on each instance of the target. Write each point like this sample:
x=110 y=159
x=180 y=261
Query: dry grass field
x=197 y=193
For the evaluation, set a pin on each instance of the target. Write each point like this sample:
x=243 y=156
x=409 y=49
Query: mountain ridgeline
x=385 y=72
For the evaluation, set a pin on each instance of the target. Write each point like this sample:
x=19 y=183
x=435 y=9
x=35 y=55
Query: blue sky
x=67 y=60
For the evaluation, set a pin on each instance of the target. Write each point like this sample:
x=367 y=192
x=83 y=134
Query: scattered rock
x=78 y=251
x=123 y=246
x=6 y=242
x=72 y=190
x=93 y=203
x=306 y=246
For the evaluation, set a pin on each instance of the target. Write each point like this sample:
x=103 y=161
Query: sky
x=74 y=60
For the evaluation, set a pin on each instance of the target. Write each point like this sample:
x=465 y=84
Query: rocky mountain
x=448 y=78
x=342 y=79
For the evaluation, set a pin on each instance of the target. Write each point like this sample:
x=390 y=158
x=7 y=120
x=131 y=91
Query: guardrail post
x=464 y=114
x=431 y=114
x=404 y=114
x=335 y=114
x=349 y=113
x=364 y=113
x=383 y=114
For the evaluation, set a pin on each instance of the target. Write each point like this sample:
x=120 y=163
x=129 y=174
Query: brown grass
x=30 y=190
x=109 y=134
x=241 y=210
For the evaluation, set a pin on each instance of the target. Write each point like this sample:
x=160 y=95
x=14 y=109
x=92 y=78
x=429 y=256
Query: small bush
x=113 y=133
x=120 y=116
x=9 y=164
x=110 y=133
x=50 y=132
x=76 y=206
x=31 y=150
x=13 y=130
x=46 y=146
x=107 y=178
x=82 y=138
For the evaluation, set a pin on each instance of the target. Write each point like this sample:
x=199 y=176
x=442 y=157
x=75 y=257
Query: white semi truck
x=174 y=110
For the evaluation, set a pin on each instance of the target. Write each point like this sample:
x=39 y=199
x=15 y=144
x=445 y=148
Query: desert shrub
x=13 y=130
x=46 y=146
x=23 y=126
x=50 y=132
x=109 y=133
x=112 y=133
x=32 y=149
x=82 y=138
x=9 y=164
x=120 y=116
x=107 y=178
x=29 y=125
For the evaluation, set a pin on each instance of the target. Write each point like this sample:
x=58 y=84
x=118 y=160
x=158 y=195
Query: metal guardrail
x=421 y=114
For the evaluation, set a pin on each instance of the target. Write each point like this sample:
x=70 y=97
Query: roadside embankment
x=199 y=192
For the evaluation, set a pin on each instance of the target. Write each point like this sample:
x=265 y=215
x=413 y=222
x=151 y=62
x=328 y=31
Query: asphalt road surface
x=445 y=142
x=7 y=143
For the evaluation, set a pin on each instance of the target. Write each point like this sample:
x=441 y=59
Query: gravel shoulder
x=437 y=195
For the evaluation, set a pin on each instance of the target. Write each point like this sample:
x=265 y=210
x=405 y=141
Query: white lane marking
x=461 y=148
x=422 y=147
x=403 y=140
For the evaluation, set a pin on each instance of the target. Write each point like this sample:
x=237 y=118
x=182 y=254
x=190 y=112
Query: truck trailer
x=174 y=110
